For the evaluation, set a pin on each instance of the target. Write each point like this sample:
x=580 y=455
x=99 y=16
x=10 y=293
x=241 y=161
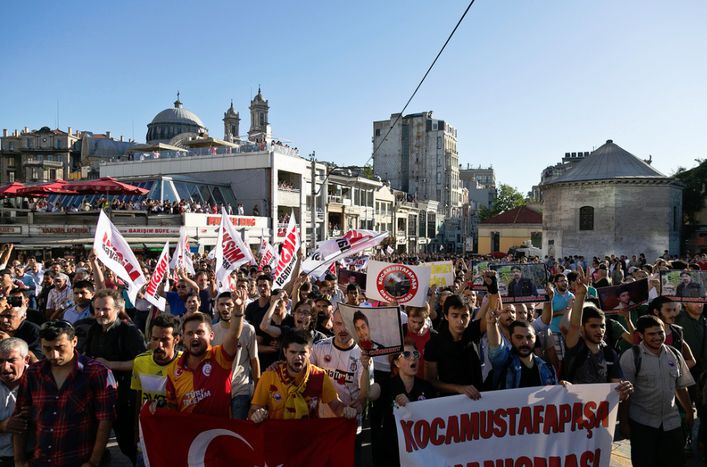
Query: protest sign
x=335 y=249
x=182 y=254
x=113 y=251
x=288 y=255
x=400 y=283
x=268 y=255
x=550 y=425
x=173 y=439
x=684 y=286
x=347 y=277
x=521 y=282
x=376 y=330
x=160 y=273
x=441 y=273
x=230 y=252
x=621 y=297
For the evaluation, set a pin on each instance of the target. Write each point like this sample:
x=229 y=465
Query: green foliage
x=506 y=199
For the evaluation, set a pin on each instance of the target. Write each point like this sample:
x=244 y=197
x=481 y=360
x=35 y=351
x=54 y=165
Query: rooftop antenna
x=132 y=127
x=57 y=113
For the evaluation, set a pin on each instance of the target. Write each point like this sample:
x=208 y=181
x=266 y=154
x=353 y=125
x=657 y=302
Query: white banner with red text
x=288 y=255
x=550 y=425
x=115 y=253
x=159 y=275
x=230 y=252
x=335 y=249
x=182 y=254
x=398 y=283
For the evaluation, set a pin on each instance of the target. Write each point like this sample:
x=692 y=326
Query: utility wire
x=421 y=81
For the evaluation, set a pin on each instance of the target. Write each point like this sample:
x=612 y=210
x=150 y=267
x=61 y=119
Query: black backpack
x=637 y=357
x=568 y=372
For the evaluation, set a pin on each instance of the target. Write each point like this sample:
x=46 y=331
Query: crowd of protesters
x=80 y=359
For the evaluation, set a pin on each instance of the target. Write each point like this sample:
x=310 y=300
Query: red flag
x=172 y=439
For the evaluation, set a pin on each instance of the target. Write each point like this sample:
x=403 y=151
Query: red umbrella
x=10 y=191
x=107 y=186
x=57 y=187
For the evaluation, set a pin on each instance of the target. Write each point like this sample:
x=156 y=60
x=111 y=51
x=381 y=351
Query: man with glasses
x=116 y=343
x=13 y=323
x=177 y=300
x=71 y=401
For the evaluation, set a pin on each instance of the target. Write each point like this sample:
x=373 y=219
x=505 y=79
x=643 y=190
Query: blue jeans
x=240 y=406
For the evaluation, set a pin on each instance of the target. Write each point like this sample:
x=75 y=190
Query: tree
x=507 y=198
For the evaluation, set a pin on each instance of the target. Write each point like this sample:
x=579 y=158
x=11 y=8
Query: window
x=586 y=218
x=378 y=131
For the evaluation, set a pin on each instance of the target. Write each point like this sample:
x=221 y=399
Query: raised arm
x=266 y=323
x=230 y=341
x=573 y=333
x=99 y=281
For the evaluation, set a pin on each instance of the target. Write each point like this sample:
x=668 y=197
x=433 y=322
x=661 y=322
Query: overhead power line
x=421 y=81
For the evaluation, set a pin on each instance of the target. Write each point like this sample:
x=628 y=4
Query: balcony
x=289 y=197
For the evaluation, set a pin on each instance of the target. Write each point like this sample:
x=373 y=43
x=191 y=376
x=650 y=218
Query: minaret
x=231 y=124
x=259 y=128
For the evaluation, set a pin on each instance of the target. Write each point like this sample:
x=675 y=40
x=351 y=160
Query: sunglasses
x=408 y=354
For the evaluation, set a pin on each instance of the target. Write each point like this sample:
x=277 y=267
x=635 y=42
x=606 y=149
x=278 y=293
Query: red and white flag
x=113 y=251
x=335 y=249
x=288 y=255
x=230 y=252
x=159 y=275
x=182 y=254
x=173 y=439
x=268 y=254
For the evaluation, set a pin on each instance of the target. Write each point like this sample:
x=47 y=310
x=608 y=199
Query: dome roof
x=608 y=162
x=179 y=115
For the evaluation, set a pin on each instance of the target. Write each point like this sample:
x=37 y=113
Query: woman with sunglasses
x=403 y=387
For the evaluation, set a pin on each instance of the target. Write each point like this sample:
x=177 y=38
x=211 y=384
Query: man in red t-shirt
x=200 y=380
x=419 y=331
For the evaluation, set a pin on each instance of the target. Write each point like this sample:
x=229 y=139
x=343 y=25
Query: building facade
x=611 y=202
x=37 y=155
x=419 y=156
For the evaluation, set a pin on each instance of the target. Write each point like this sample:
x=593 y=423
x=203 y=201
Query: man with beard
x=588 y=358
x=149 y=378
x=14 y=358
x=116 y=343
x=689 y=287
x=561 y=305
x=246 y=370
x=295 y=388
x=200 y=380
x=515 y=365
x=520 y=286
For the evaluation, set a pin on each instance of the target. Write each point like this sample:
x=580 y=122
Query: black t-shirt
x=457 y=362
x=121 y=342
x=581 y=366
x=254 y=315
x=529 y=377
x=29 y=332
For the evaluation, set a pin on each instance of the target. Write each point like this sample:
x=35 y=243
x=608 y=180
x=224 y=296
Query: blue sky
x=523 y=81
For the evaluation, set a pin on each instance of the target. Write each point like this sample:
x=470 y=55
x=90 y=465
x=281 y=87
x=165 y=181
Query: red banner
x=172 y=439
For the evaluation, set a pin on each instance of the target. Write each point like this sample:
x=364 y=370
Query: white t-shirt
x=344 y=368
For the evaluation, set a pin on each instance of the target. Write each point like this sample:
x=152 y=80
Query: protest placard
x=399 y=283
x=521 y=282
x=684 y=285
x=376 y=330
x=628 y=296
x=550 y=425
x=441 y=273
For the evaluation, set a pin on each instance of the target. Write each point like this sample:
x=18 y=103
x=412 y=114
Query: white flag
x=113 y=251
x=335 y=249
x=230 y=252
x=389 y=250
x=288 y=255
x=182 y=254
x=158 y=276
x=268 y=254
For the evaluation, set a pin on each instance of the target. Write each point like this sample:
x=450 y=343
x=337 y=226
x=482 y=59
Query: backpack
x=637 y=357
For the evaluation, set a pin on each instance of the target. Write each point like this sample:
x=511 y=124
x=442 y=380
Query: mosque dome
x=172 y=122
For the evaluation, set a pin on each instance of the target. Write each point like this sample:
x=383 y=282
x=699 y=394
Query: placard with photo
x=347 y=277
x=521 y=282
x=627 y=296
x=376 y=330
x=684 y=285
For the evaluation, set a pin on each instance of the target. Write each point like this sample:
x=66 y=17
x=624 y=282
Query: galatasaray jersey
x=207 y=389
x=150 y=378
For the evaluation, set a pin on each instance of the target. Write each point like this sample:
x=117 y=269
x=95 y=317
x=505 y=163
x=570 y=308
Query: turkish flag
x=172 y=439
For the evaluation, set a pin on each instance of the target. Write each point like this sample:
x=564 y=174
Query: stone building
x=174 y=124
x=37 y=155
x=611 y=202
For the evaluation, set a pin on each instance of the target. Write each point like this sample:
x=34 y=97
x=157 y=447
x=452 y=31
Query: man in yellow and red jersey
x=200 y=380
